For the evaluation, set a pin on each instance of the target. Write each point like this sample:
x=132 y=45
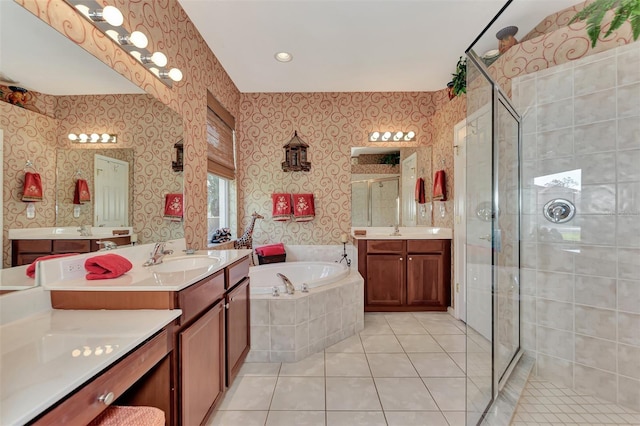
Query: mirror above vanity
x=383 y=186
x=70 y=91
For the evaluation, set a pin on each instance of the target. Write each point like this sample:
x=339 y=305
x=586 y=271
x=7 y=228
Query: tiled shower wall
x=580 y=281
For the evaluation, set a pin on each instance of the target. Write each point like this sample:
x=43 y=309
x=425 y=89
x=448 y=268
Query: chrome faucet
x=290 y=288
x=107 y=245
x=396 y=231
x=85 y=230
x=157 y=254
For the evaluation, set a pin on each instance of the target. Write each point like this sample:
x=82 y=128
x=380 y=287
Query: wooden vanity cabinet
x=238 y=328
x=405 y=275
x=24 y=252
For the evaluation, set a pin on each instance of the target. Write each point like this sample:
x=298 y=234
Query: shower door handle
x=486 y=238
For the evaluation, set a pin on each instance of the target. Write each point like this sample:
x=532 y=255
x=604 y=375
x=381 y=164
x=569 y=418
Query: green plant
x=459 y=80
x=594 y=14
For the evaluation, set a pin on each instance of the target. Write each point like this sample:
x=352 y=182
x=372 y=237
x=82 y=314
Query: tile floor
x=543 y=403
x=403 y=369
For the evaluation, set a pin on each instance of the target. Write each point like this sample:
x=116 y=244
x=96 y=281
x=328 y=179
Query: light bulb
x=138 y=39
x=113 y=34
x=175 y=74
x=113 y=16
x=375 y=136
x=73 y=137
x=136 y=55
x=155 y=70
x=83 y=9
x=398 y=136
x=410 y=135
x=159 y=58
x=83 y=137
x=95 y=137
x=386 y=136
x=105 y=138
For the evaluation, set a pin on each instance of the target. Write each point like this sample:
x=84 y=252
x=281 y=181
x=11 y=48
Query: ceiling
x=353 y=45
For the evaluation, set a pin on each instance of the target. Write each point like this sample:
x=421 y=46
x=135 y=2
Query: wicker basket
x=272 y=259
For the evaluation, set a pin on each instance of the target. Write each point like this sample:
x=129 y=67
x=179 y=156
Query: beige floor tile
x=235 y=418
x=408 y=328
x=351 y=394
x=455 y=418
x=295 y=418
x=375 y=328
x=349 y=345
x=404 y=394
x=313 y=365
x=415 y=418
x=299 y=393
x=452 y=342
x=347 y=365
x=460 y=358
x=438 y=328
x=249 y=393
x=391 y=365
x=435 y=365
x=355 y=418
x=381 y=344
x=260 y=369
x=419 y=343
x=449 y=393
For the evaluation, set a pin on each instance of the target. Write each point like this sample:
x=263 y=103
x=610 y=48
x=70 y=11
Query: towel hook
x=79 y=173
x=29 y=165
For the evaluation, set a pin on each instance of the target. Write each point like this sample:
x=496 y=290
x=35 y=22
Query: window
x=221 y=209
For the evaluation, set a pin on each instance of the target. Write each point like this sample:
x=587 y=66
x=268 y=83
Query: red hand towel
x=271 y=250
x=81 y=194
x=420 y=196
x=281 y=211
x=173 y=207
x=303 y=207
x=440 y=186
x=31 y=269
x=106 y=266
x=32 y=190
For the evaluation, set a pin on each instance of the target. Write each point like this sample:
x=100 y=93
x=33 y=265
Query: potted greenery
x=458 y=83
x=594 y=14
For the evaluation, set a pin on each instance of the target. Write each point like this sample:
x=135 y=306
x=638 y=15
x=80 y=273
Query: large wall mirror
x=383 y=186
x=70 y=91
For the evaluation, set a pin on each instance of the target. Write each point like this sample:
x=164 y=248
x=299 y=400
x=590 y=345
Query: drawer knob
x=411 y=258
x=400 y=259
x=226 y=305
x=107 y=399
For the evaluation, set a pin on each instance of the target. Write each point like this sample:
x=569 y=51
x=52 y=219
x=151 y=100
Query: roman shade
x=220 y=140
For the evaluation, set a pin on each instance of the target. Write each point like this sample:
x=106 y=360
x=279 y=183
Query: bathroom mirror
x=85 y=96
x=383 y=186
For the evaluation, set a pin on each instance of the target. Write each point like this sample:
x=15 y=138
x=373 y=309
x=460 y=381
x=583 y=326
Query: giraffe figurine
x=246 y=240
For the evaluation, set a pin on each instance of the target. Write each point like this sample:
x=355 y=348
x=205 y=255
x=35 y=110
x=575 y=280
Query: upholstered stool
x=129 y=416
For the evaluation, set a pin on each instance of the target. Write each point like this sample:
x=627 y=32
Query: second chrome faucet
x=158 y=253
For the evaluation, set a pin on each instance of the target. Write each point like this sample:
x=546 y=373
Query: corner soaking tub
x=289 y=327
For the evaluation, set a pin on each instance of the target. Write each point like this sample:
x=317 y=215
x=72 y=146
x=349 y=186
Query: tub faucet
x=157 y=254
x=290 y=288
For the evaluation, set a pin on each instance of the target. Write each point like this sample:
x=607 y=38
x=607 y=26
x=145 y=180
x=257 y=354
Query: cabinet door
x=425 y=280
x=238 y=337
x=385 y=280
x=202 y=365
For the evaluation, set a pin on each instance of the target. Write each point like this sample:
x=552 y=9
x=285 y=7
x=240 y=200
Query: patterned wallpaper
x=27 y=136
x=35 y=101
x=331 y=123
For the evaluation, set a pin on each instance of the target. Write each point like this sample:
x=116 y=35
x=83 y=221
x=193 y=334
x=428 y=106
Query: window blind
x=220 y=140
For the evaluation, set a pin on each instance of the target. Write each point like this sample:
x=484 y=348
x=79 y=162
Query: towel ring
x=29 y=165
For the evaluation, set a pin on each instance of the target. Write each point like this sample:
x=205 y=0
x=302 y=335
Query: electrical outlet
x=72 y=269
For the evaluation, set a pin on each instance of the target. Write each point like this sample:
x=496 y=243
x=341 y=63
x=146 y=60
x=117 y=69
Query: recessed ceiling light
x=283 y=57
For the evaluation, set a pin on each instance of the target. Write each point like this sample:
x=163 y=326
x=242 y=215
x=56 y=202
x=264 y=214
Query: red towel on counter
x=281 y=207
x=271 y=250
x=440 y=186
x=81 y=193
x=32 y=190
x=106 y=266
x=303 y=207
x=420 y=196
x=173 y=207
x=31 y=269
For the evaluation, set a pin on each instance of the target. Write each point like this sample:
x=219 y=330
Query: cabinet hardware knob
x=411 y=258
x=400 y=259
x=226 y=305
x=107 y=399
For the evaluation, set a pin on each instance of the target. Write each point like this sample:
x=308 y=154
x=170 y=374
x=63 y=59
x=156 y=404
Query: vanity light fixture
x=93 y=138
x=109 y=20
x=395 y=136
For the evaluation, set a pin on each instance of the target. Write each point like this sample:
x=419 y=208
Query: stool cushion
x=129 y=416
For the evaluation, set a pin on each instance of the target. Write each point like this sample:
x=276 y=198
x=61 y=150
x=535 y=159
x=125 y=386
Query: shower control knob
x=559 y=210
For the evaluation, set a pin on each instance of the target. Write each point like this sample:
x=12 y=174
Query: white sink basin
x=185 y=263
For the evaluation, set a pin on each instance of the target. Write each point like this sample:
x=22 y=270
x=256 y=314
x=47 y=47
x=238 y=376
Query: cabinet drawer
x=71 y=246
x=426 y=246
x=200 y=296
x=385 y=246
x=32 y=246
x=85 y=404
x=237 y=272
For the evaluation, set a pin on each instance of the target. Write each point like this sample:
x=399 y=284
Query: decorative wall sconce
x=178 y=165
x=295 y=155
x=109 y=20
x=92 y=138
x=392 y=136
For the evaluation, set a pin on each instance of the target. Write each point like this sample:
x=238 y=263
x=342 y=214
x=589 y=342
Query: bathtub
x=313 y=274
x=290 y=327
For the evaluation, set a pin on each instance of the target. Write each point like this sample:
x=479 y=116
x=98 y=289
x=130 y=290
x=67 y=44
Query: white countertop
x=406 y=233
x=15 y=278
x=46 y=356
x=67 y=233
x=139 y=278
